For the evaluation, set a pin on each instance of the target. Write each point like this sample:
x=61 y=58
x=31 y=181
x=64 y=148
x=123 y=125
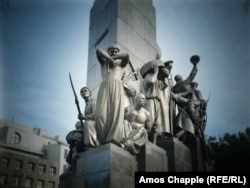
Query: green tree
x=232 y=151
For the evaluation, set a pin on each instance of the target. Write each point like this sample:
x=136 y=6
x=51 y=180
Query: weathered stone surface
x=197 y=157
x=107 y=166
x=131 y=24
x=71 y=182
x=152 y=158
x=179 y=155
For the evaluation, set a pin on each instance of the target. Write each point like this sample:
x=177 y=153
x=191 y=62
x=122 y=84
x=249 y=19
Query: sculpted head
x=78 y=125
x=140 y=99
x=194 y=84
x=169 y=64
x=163 y=72
x=113 y=49
x=178 y=78
x=85 y=92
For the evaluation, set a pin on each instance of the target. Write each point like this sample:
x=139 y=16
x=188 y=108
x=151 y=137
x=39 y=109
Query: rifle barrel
x=76 y=99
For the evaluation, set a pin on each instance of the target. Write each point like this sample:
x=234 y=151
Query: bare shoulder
x=145 y=111
x=129 y=108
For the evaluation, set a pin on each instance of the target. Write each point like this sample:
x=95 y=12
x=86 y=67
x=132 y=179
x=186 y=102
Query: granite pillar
x=152 y=158
x=179 y=155
x=107 y=166
x=110 y=166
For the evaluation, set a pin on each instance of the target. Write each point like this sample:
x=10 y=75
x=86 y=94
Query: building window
x=30 y=166
x=65 y=153
x=15 y=138
x=3 y=179
x=16 y=180
x=40 y=184
x=5 y=162
x=18 y=164
x=28 y=183
x=51 y=185
x=52 y=171
x=41 y=169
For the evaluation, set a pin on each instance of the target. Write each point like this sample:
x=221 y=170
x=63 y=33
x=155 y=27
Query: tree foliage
x=232 y=151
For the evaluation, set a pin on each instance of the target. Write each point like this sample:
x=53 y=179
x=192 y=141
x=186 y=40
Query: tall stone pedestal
x=199 y=150
x=152 y=159
x=109 y=166
x=179 y=155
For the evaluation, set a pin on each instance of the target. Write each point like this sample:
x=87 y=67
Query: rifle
x=76 y=99
x=132 y=71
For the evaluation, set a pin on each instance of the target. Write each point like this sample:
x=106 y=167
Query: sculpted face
x=141 y=99
x=164 y=71
x=113 y=51
x=85 y=92
x=169 y=66
x=194 y=85
x=78 y=125
x=178 y=78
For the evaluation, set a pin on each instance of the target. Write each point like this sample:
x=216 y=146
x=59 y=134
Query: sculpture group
x=130 y=117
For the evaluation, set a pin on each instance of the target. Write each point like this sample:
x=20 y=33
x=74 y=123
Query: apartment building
x=29 y=158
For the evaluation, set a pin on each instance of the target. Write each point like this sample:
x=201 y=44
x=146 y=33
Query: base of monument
x=152 y=158
x=107 y=166
x=179 y=155
x=199 y=151
x=110 y=166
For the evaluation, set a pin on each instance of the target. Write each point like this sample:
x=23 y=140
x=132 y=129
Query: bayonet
x=76 y=99
x=209 y=96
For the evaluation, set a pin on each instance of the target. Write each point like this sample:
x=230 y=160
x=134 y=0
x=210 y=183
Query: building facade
x=29 y=158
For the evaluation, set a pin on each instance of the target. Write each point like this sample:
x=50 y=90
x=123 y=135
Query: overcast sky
x=42 y=41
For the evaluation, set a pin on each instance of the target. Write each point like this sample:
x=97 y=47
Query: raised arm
x=192 y=75
x=124 y=57
x=103 y=56
x=151 y=78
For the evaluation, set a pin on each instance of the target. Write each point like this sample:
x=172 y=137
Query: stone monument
x=131 y=24
x=145 y=134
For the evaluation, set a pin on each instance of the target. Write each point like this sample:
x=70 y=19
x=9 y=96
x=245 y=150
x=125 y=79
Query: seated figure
x=137 y=124
x=76 y=145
